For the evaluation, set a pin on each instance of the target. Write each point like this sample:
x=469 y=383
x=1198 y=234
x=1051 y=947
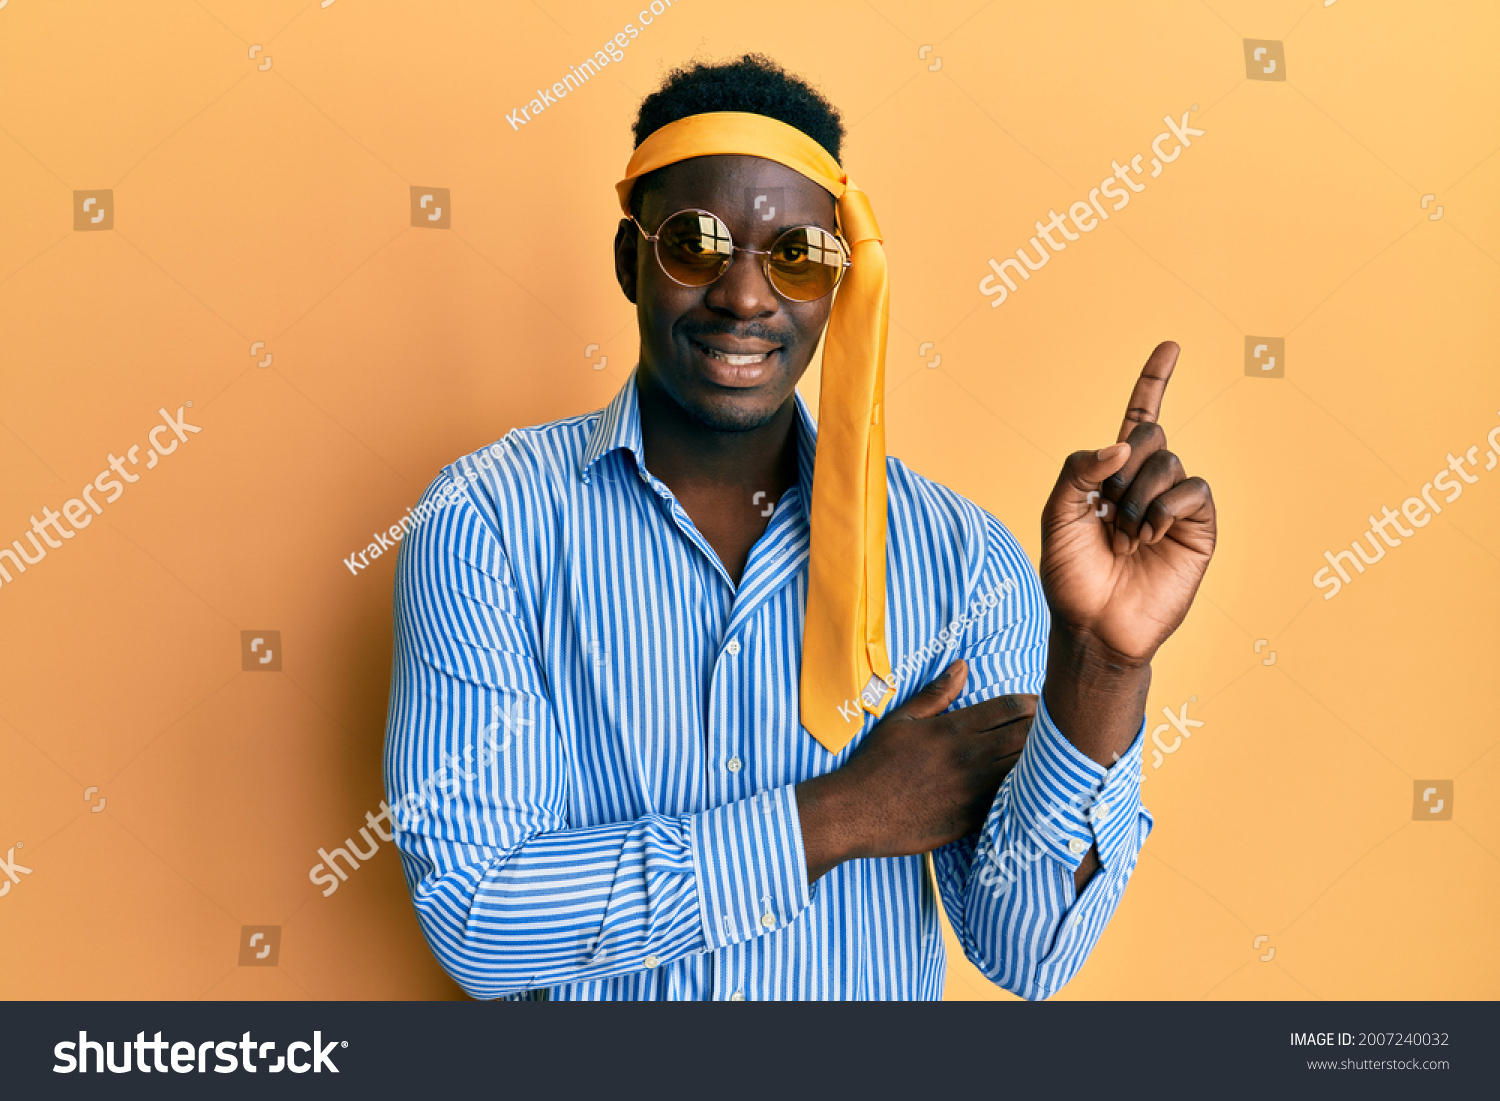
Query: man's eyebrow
x=779 y=230
x=797 y=223
x=757 y=224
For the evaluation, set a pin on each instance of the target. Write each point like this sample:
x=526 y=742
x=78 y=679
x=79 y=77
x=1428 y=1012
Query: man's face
x=738 y=314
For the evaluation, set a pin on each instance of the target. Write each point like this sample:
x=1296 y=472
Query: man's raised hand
x=1126 y=534
x=1126 y=537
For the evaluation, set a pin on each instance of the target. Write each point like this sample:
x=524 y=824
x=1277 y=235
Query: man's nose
x=743 y=290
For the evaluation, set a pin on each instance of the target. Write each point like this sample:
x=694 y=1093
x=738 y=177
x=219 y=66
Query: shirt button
x=734 y=646
x=737 y=996
x=1078 y=847
x=768 y=920
x=1101 y=812
x=652 y=961
x=733 y=764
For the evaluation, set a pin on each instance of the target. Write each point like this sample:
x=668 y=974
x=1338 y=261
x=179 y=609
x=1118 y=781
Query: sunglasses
x=694 y=248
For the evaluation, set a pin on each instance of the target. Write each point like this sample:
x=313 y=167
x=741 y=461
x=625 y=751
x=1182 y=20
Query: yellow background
x=272 y=204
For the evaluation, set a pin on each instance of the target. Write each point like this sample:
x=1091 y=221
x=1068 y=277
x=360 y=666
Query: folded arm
x=1032 y=838
x=509 y=894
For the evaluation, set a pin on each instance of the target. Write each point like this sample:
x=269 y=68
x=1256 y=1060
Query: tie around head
x=845 y=668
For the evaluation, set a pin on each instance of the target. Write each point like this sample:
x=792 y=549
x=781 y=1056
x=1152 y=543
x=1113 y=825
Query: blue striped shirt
x=593 y=741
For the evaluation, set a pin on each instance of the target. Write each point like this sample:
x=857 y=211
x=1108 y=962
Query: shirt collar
x=619 y=427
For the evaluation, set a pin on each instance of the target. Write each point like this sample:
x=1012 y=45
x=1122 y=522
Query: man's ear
x=627 y=257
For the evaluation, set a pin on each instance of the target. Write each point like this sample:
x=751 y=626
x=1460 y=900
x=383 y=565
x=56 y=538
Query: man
x=631 y=749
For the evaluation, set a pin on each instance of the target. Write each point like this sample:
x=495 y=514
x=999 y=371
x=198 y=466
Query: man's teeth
x=733 y=360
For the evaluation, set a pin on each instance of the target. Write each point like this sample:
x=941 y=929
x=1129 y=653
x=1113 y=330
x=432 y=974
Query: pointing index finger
x=1145 y=399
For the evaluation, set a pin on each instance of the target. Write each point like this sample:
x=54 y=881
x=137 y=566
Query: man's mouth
x=747 y=354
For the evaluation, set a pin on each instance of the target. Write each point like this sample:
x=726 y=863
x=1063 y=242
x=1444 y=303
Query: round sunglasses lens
x=806 y=263
x=694 y=247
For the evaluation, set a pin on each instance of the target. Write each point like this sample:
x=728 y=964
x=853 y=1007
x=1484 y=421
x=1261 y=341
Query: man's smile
x=733 y=362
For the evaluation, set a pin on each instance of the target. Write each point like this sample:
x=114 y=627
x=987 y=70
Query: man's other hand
x=919 y=780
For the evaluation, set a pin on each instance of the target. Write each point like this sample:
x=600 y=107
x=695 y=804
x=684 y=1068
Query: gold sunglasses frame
x=765 y=254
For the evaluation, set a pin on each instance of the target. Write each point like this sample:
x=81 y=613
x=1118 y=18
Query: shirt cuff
x=751 y=867
x=1068 y=803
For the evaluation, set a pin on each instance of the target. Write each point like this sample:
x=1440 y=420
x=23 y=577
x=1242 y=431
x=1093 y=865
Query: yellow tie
x=845 y=668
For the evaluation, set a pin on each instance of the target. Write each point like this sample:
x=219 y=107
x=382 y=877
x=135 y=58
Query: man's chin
x=744 y=412
x=721 y=408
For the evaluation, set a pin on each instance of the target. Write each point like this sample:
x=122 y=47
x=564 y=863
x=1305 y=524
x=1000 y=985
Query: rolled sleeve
x=1025 y=925
x=1067 y=803
x=1119 y=821
x=1118 y=826
x=750 y=866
